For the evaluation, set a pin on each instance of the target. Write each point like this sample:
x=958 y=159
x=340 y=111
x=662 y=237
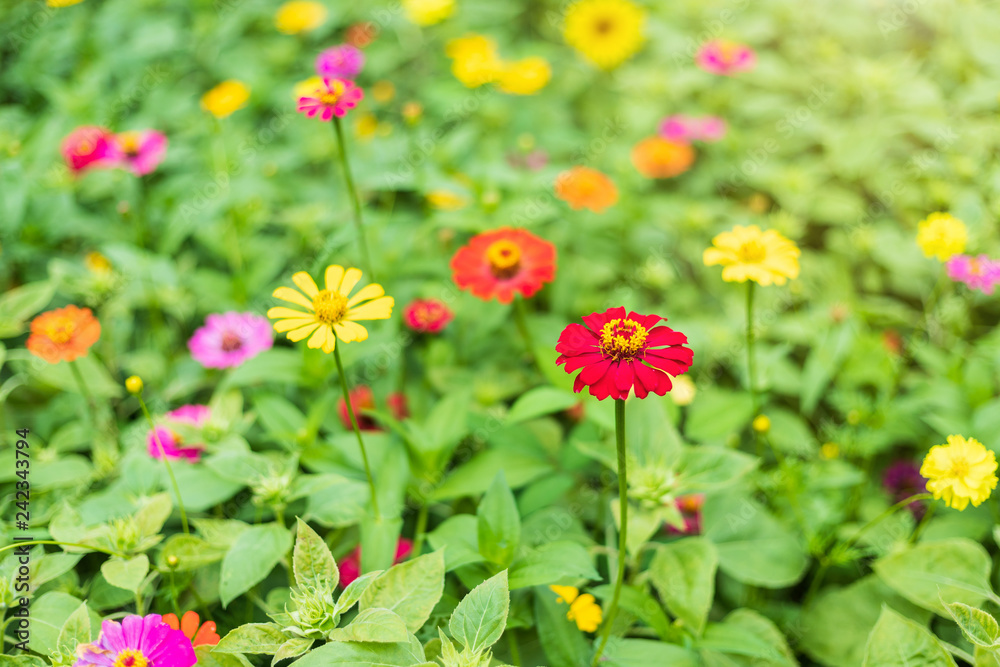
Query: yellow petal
x=330 y=344
x=290 y=295
x=306 y=284
x=280 y=312
x=287 y=325
x=351 y=278
x=379 y=309
x=365 y=293
x=334 y=274
x=350 y=331
x=318 y=339
x=298 y=334
x=565 y=593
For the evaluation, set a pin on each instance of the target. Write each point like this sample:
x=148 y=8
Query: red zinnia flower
x=362 y=398
x=619 y=352
x=199 y=636
x=502 y=262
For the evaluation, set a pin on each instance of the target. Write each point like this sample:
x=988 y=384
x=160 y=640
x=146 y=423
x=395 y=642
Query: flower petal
x=287 y=325
x=280 y=312
x=334 y=274
x=379 y=309
x=318 y=339
x=290 y=295
x=298 y=334
x=365 y=293
x=306 y=283
x=350 y=331
x=351 y=278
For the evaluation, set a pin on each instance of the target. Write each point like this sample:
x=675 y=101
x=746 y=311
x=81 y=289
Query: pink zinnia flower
x=978 y=273
x=685 y=129
x=690 y=508
x=340 y=62
x=350 y=567
x=427 y=315
x=229 y=339
x=140 y=151
x=721 y=56
x=89 y=147
x=399 y=407
x=333 y=98
x=138 y=641
x=173 y=445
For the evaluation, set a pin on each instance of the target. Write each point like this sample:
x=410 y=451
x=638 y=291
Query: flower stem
x=751 y=361
x=357 y=431
x=924 y=520
x=623 y=528
x=419 y=532
x=355 y=200
x=85 y=390
x=166 y=462
x=515 y=651
x=521 y=318
x=62 y=544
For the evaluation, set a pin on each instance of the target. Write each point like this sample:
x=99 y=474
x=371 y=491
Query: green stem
x=959 y=653
x=279 y=515
x=623 y=528
x=515 y=650
x=752 y=366
x=166 y=462
x=420 y=530
x=62 y=544
x=85 y=391
x=521 y=318
x=357 y=431
x=355 y=200
x=924 y=520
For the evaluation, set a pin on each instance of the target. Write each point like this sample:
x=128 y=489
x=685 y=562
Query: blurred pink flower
x=901 y=480
x=978 y=273
x=427 y=315
x=685 y=129
x=89 y=147
x=690 y=507
x=229 y=339
x=350 y=567
x=140 y=151
x=721 y=56
x=333 y=98
x=340 y=62
x=173 y=445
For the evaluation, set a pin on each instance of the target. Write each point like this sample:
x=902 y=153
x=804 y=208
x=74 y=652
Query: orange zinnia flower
x=583 y=187
x=63 y=334
x=199 y=636
x=502 y=262
x=655 y=157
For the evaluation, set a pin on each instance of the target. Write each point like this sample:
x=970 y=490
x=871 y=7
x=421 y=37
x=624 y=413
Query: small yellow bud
x=762 y=423
x=173 y=561
x=829 y=450
x=134 y=384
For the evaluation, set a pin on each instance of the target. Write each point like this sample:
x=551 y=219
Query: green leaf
x=932 y=573
x=24 y=661
x=206 y=658
x=279 y=417
x=645 y=652
x=896 y=641
x=683 y=573
x=355 y=590
x=191 y=552
x=550 y=563
x=823 y=362
x=540 y=401
x=264 y=638
x=76 y=630
x=351 y=654
x=564 y=644
x=48 y=616
x=716 y=414
x=458 y=534
x=99 y=381
x=498 y=523
x=979 y=627
x=153 y=514
x=126 y=574
x=641 y=604
x=294 y=647
x=373 y=625
x=753 y=546
x=476 y=476
x=312 y=561
x=708 y=468
x=480 y=618
x=410 y=589
x=252 y=557
x=747 y=639
x=20 y=304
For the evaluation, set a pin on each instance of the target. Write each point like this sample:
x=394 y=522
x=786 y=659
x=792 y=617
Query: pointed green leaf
x=252 y=557
x=126 y=574
x=896 y=641
x=294 y=647
x=980 y=628
x=498 y=523
x=264 y=638
x=955 y=570
x=312 y=561
x=152 y=515
x=683 y=573
x=355 y=590
x=480 y=618
x=373 y=625
x=410 y=589
x=356 y=654
x=76 y=630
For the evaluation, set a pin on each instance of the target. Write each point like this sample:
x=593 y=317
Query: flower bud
x=134 y=384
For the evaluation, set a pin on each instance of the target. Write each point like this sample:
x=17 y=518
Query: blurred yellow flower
x=428 y=12
x=942 y=235
x=225 y=98
x=829 y=450
x=366 y=125
x=474 y=60
x=62 y=3
x=332 y=312
x=299 y=16
x=747 y=253
x=445 y=200
x=412 y=111
x=134 y=384
x=524 y=77
x=762 y=423
x=383 y=91
x=97 y=263
x=308 y=87
x=684 y=390
x=583 y=609
x=960 y=471
x=605 y=32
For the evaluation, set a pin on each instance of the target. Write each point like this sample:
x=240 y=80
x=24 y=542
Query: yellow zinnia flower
x=960 y=472
x=445 y=200
x=332 y=314
x=747 y=253
x=225 y=98
x=605 y=32
x=474 y=60
x=298 y=16
x=62 y=3
x=97 y=263
x=524 y=77
x=942 y=235
x=583 y=609
x=428 y=12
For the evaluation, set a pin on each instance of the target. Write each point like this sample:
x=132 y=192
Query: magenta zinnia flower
x=340 y=62
x=89 y=147
x=138 y=641
x=333 y=98
x=173 y=446
x=901 y=480
x=978 y=273
x=140 y=151
x=427 y=315
x=350 y=567
x=619 y=352
x=229 y=339
x=721 y=56
x=685 y=129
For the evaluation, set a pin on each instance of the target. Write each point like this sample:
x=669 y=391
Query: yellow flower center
x=753 y=252
x=959 y=467
x=622 y=339
x=131 y=658
x=330 y=306
x=504 y=257
x=60 y=331
x=331 y=95
x=129 y=142
x=975 y=267
x=84 y=148
x=604 y=25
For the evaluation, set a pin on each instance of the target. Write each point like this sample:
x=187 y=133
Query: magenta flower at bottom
x=138 y=641
x=331 y=98
x=978 y=273
x=723 y=57
x=685 y=129
x=229 y=339
x=140 y=151
x=173 y=446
